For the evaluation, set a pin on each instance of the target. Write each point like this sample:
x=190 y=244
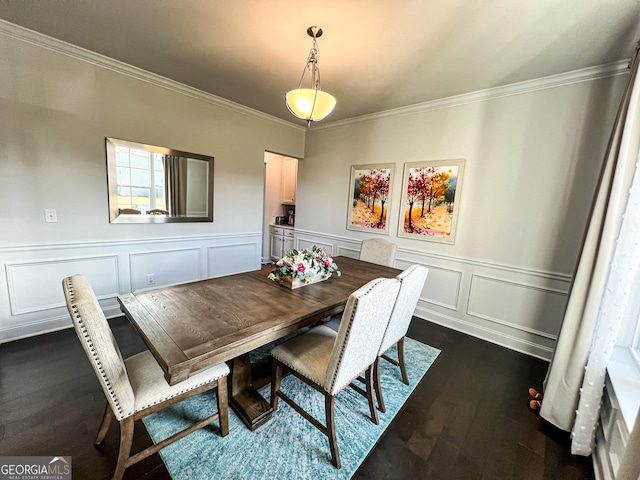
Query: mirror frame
x=112 y=179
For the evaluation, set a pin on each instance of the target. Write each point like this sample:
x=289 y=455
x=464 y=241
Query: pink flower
x=300 y=267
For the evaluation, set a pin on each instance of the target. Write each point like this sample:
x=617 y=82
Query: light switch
x=50 y=215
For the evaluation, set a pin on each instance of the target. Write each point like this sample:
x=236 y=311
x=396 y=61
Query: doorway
x=280 y=187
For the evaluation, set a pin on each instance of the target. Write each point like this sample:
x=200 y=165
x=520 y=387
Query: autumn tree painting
x=430 y=194
x=370 y=193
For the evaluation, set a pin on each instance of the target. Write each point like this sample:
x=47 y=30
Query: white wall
x=57 y=108
x=532 y=162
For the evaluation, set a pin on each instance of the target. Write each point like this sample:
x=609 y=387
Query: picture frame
x=430 y=201
x=370 y=188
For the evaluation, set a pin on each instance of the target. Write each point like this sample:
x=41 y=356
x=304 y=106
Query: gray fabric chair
x=134 y=387
x=329 y=361
x=378 y=250
x=411 y=285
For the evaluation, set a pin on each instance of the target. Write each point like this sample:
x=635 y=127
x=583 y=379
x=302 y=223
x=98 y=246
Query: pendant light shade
x=311 y=104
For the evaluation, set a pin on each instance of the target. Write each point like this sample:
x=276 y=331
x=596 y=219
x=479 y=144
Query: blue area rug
x=286 y=447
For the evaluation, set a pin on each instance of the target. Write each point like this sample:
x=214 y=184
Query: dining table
x=191 y=326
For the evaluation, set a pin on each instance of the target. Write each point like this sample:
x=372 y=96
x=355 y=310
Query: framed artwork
x=431 y=200
x=369 y=197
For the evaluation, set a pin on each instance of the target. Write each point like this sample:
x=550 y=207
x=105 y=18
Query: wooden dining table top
x=195 y=325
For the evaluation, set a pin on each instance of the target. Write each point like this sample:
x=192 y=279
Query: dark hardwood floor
x=467 y=419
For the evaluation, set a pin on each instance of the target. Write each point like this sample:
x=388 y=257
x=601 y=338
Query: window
x=629 y=334
x=140 y=179
x=635 y=346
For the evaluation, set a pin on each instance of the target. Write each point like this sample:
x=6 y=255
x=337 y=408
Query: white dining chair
x=134 y=387
x=372 y=250
x=411 y=284
x=378 y=250
x=329 y=361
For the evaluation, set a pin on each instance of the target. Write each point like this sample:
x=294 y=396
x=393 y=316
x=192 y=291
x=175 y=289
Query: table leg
x=245 y=400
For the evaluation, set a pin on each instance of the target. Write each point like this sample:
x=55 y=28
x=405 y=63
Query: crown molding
x=39 y=39
x=552 y=81
x=528 y=86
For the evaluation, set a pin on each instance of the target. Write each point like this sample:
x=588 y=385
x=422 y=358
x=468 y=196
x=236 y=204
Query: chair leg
x=329 y=406
x=276 y=372
x=223 y=406
x=372 y=404
x=378 y=386
x=126 y=439
x=105 y=424
x=403 y=368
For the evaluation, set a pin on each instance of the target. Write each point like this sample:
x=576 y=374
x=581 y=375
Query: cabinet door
x=277 y=244
x=288 y=244
x=289 y=179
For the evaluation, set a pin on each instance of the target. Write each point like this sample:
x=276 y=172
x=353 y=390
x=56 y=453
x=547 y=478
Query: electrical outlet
x=50 y=215
x=274 y=213
x=151 y=279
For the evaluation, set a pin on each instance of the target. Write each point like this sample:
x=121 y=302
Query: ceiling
x=375 y=55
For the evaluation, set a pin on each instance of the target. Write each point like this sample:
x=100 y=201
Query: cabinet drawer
x=277 y=230
x=288 y=232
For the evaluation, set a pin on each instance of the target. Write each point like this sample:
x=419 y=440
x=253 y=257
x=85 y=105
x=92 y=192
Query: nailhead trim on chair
x=354 y=309
x=102 y=373
x=93 y=350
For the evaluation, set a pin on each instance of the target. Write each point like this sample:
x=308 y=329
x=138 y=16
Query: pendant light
x=311 y=104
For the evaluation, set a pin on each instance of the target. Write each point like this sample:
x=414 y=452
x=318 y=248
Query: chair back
x=411 y=284
x=363 y=324
x=99 y=344
x=378 y=250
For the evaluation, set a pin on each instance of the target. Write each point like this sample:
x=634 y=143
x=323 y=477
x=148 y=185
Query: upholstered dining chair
x=411 y=284
x=329 y=361
x=134 y=387
x=129 y=211
x=378 y=250
x=158 y=211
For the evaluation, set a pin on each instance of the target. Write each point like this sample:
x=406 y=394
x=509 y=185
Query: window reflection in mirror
x=151 y=184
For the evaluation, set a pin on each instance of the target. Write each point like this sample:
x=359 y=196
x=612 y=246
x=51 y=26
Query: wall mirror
x=150 y=184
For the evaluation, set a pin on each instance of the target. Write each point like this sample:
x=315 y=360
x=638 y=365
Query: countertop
x=290 y=227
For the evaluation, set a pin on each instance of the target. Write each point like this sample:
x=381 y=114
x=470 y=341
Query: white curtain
x=608 y=263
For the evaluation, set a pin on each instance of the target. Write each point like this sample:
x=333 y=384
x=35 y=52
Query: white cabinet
x=276 y=244
x=289 y=180
x=288 y=240
x=281 y=241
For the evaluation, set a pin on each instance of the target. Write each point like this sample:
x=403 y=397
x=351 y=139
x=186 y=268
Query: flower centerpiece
x=301 y=267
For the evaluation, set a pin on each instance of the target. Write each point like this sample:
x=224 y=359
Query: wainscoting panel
x=167 y=267
x=32 y=280
x=350 y=252
x=37 y=286
x=227 y=259
x=511 y=306
x=521 y=305
x=304 y=242
x=442 y=287
x=515 y=307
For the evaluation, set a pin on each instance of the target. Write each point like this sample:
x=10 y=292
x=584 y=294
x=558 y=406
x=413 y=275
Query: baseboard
x=489 y=335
